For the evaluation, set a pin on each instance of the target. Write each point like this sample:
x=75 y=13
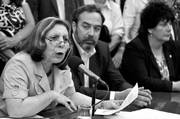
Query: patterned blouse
x=12 y=19
x=163 y=68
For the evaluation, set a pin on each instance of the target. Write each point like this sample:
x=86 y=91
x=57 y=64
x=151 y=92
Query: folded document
x=133 y=94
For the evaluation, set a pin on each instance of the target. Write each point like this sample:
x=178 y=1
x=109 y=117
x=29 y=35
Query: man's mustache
x=90 y=40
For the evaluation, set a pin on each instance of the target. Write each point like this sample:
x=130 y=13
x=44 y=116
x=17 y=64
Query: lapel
x=149 y=55
x=76 y=53
x=95 y=61
x=169 y=58
x=42 y=81
x=94 y=67
x=167 y=54
x=54 y=3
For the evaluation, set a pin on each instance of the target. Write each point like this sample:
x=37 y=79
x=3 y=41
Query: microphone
x=76 y=63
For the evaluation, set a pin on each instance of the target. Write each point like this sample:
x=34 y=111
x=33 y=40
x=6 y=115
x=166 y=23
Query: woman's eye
x=65 y=39
x=55 y=38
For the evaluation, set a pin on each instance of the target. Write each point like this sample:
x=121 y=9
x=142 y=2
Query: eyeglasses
x=55 y=40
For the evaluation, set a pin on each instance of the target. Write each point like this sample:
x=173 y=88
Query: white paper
x=133 y=94
x=144 y=114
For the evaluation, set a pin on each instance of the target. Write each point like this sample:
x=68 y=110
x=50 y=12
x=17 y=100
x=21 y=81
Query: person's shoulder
x=21 y=57
x=102 y=47
x=136 y=43
x=19 y=61
x=102 y=44
x=172 y=45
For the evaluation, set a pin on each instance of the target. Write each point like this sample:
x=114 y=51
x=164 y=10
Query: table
x=63 y=113
x=164 y=101
x=168 y=102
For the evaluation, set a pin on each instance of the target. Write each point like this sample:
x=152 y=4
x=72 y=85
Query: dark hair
x=86 y=8
x=35 y=44
x=152 y=14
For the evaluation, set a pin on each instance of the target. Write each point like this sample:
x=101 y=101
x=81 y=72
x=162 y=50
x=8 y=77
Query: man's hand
x=144 y=98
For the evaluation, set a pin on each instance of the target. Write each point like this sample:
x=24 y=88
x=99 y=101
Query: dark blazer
x=139 y=64
x=101 y=64
x=47 y=8
x=176 y=29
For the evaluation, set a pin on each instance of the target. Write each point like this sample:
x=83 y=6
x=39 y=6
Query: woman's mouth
x=59 y=54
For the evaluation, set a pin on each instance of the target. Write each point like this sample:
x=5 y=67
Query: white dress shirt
x=131 y=16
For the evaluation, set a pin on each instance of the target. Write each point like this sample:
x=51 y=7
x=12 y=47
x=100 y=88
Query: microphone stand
x=94 y=86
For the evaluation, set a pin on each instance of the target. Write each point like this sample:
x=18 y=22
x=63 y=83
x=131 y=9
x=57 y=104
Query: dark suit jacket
x=46 y=8
x=139 y=64
x=101 y=64
x=176 y=29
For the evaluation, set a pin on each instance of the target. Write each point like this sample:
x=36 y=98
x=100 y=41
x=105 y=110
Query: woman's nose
x=61 y=41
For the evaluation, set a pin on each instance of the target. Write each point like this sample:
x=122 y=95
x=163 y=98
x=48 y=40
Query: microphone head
x=74 y=62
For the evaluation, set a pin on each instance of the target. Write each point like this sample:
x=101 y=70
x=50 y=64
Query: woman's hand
x=7 y=43
x=111 y=104
x=59 y=98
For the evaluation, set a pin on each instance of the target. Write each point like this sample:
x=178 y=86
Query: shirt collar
x=81 y=51
x=108 y=5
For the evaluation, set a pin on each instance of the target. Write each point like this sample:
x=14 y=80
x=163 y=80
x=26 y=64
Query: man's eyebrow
x=91 y=24
x=86 y=23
